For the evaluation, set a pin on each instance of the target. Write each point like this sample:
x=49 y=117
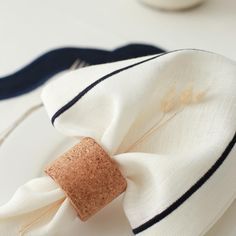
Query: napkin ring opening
x=88 y=176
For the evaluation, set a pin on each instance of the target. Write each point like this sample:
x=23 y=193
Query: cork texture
x=88 y=176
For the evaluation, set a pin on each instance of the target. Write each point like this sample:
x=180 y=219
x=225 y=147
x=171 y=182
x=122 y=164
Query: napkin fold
x=168 y=120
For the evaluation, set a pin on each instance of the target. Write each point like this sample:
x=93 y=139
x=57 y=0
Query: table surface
x=29 y=28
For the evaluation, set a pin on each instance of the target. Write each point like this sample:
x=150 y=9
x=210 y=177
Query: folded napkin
x=168 y=120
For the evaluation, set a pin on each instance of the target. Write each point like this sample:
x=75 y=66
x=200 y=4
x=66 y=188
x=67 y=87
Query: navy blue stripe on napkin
x=91 y=86
x=189 y=192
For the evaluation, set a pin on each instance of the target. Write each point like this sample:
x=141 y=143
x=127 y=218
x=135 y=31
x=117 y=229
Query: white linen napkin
x=169 y=122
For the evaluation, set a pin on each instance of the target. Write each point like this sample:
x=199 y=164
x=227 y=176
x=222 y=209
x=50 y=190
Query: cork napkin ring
x=88 y=176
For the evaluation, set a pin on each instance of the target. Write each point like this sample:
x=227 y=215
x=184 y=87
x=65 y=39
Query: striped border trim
x=87 y=89
x=189 y=192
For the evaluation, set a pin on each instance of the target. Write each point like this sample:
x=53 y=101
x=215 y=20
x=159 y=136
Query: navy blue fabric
x=44 y=67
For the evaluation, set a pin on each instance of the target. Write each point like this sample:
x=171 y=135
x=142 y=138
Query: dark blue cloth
x=44 y=67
